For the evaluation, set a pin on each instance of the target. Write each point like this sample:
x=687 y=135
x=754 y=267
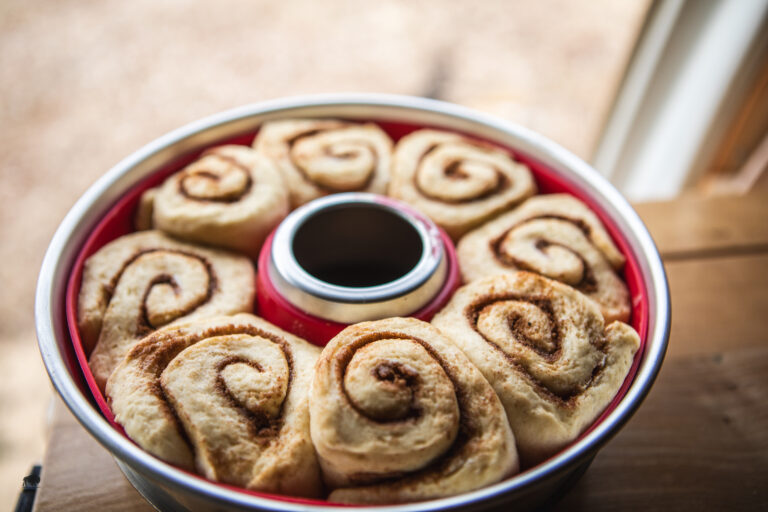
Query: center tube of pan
x=357 y=245
x=354 y=257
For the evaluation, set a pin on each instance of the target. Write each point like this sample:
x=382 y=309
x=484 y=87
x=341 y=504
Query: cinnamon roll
x=546 y=351
x=142 y=220
x=146 y=280
x=226 y=396
x=459 y=183
x=397 y=414
x=320 y=157
x=557 y=236
x=230 y=197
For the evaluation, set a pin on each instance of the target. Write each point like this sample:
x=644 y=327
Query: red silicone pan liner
x=118 y=221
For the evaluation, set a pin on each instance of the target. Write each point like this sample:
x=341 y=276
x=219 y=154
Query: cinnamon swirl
x=320 y=157
x=397 y=413
x=557 y=236
x=146 y=280
x=546 y=351
x=226 y=396
x=230 y=197
x=459 y=183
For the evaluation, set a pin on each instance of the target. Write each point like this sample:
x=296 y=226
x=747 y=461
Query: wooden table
x=700 y=439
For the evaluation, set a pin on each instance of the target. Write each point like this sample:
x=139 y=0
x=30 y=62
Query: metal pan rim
x=75 y=226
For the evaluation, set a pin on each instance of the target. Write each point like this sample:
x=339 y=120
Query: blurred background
x=83 y=84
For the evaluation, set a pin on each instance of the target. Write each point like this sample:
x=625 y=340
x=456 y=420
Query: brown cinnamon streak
x=158 y=350
x=466 y=424
x=144 y=326
x=229 y=198
x=260 y=425
x=454 y=171
x=566 y=399
x=330 y=190
x=588 y=282
x=171 y=414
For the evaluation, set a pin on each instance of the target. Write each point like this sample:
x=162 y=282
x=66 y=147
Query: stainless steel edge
x=81 y=218
x=346 y=304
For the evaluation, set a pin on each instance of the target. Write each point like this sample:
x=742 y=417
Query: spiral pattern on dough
x=226 y=396
x=545 y=350
x=230 y=197
x=399 y=414
x=146 y=280
x=558 y=237
x=459 y=183
x=320 y=157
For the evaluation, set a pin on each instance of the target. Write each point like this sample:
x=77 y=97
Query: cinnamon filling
x=171 y=415
x=454 y=171
x=517 y=327
x=291 y=142
x=226 y=197
x=588 y=282
x=261 y=425
x=144 y=326
x=395 y=372
x=157 y=351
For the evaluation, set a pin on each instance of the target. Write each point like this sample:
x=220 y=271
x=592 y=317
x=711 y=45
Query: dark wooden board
x=699 y=442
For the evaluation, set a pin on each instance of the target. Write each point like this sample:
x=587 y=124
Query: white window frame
x=664 y=121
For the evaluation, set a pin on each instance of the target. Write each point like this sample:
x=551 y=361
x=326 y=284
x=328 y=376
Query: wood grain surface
x=81 y=475
x=698 y=442
x=694 y=227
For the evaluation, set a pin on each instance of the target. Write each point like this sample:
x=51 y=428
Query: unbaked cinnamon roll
x=226 y=396
x=230 y=197
x=146 y=280
x=459 y=183
x=142 y=219
x=397 y=414
x=320 y=157
x=557 y=236
x=546 y=351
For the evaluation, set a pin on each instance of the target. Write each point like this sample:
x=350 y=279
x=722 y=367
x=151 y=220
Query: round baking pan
x=105 y=212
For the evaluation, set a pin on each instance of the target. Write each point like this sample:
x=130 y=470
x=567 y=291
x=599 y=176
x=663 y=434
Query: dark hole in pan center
x=357 y=245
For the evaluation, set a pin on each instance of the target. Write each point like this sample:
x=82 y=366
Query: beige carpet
x=82 y=84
